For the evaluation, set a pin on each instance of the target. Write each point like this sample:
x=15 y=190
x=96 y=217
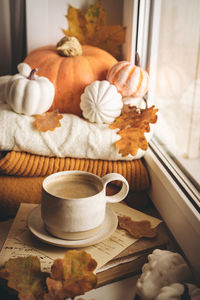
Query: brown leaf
x=137 y=229
x=132 y=125
x=71 y=276
x=90 y=28
x=48 y=121
x=25 y=276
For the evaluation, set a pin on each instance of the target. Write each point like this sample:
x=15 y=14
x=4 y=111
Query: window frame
x=166 y=192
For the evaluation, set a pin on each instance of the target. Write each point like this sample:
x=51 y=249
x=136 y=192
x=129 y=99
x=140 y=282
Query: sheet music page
x=20 y=241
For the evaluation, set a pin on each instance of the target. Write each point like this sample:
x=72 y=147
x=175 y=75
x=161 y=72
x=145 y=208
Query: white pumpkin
x=100 y=102
x=24 y=69
x=27 y=93
x=176 y=290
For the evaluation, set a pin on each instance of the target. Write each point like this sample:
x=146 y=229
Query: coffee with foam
x=72 y=189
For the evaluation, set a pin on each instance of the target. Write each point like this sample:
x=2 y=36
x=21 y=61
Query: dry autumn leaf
x=71 y=276
x=48 y=121
x=24 y=276
x=132 y=126
x=137 y=229
x=90 y=28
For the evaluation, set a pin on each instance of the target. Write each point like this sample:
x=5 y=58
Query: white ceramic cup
x=75 y=216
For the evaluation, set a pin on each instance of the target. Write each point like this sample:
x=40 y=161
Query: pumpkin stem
x=69 y=46
x=137 y=59
x=146 y=101
x=32 y=74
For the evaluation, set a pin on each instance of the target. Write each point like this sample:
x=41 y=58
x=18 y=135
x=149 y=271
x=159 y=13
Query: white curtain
x=12 y=35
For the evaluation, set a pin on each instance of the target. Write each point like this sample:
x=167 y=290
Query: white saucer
x=36 y=226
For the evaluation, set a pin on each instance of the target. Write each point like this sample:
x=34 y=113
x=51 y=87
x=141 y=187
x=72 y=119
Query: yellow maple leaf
x=76 y=22
x=90 y=28
x=95 y=18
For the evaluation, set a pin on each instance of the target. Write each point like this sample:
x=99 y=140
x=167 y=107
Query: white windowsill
x=180 y=216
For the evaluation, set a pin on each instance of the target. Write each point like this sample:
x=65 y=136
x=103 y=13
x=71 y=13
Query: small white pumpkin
x=24 y=69
x=100 y=102
x=176 y=290
x=27 y=93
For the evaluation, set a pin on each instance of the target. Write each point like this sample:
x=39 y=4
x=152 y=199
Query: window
x=176 y=84
x=167 y=37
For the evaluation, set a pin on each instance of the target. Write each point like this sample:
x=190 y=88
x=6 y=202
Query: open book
x=118 y=256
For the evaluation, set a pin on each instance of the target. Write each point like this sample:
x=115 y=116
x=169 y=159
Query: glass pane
x=175 y=85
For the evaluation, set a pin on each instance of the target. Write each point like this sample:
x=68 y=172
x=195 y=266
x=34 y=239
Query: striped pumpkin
x=129 y=79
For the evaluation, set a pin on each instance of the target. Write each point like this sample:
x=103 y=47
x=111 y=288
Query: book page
x=120 y=240
x=21 y=242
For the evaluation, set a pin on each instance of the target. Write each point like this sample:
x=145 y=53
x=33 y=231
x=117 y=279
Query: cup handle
x=122 y=193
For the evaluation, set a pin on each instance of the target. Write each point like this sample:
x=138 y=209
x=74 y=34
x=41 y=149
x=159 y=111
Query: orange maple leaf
x=48 y=121
x=132 y=125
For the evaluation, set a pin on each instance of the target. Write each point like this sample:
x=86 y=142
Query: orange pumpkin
x=70 y=75
x=129 y=79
